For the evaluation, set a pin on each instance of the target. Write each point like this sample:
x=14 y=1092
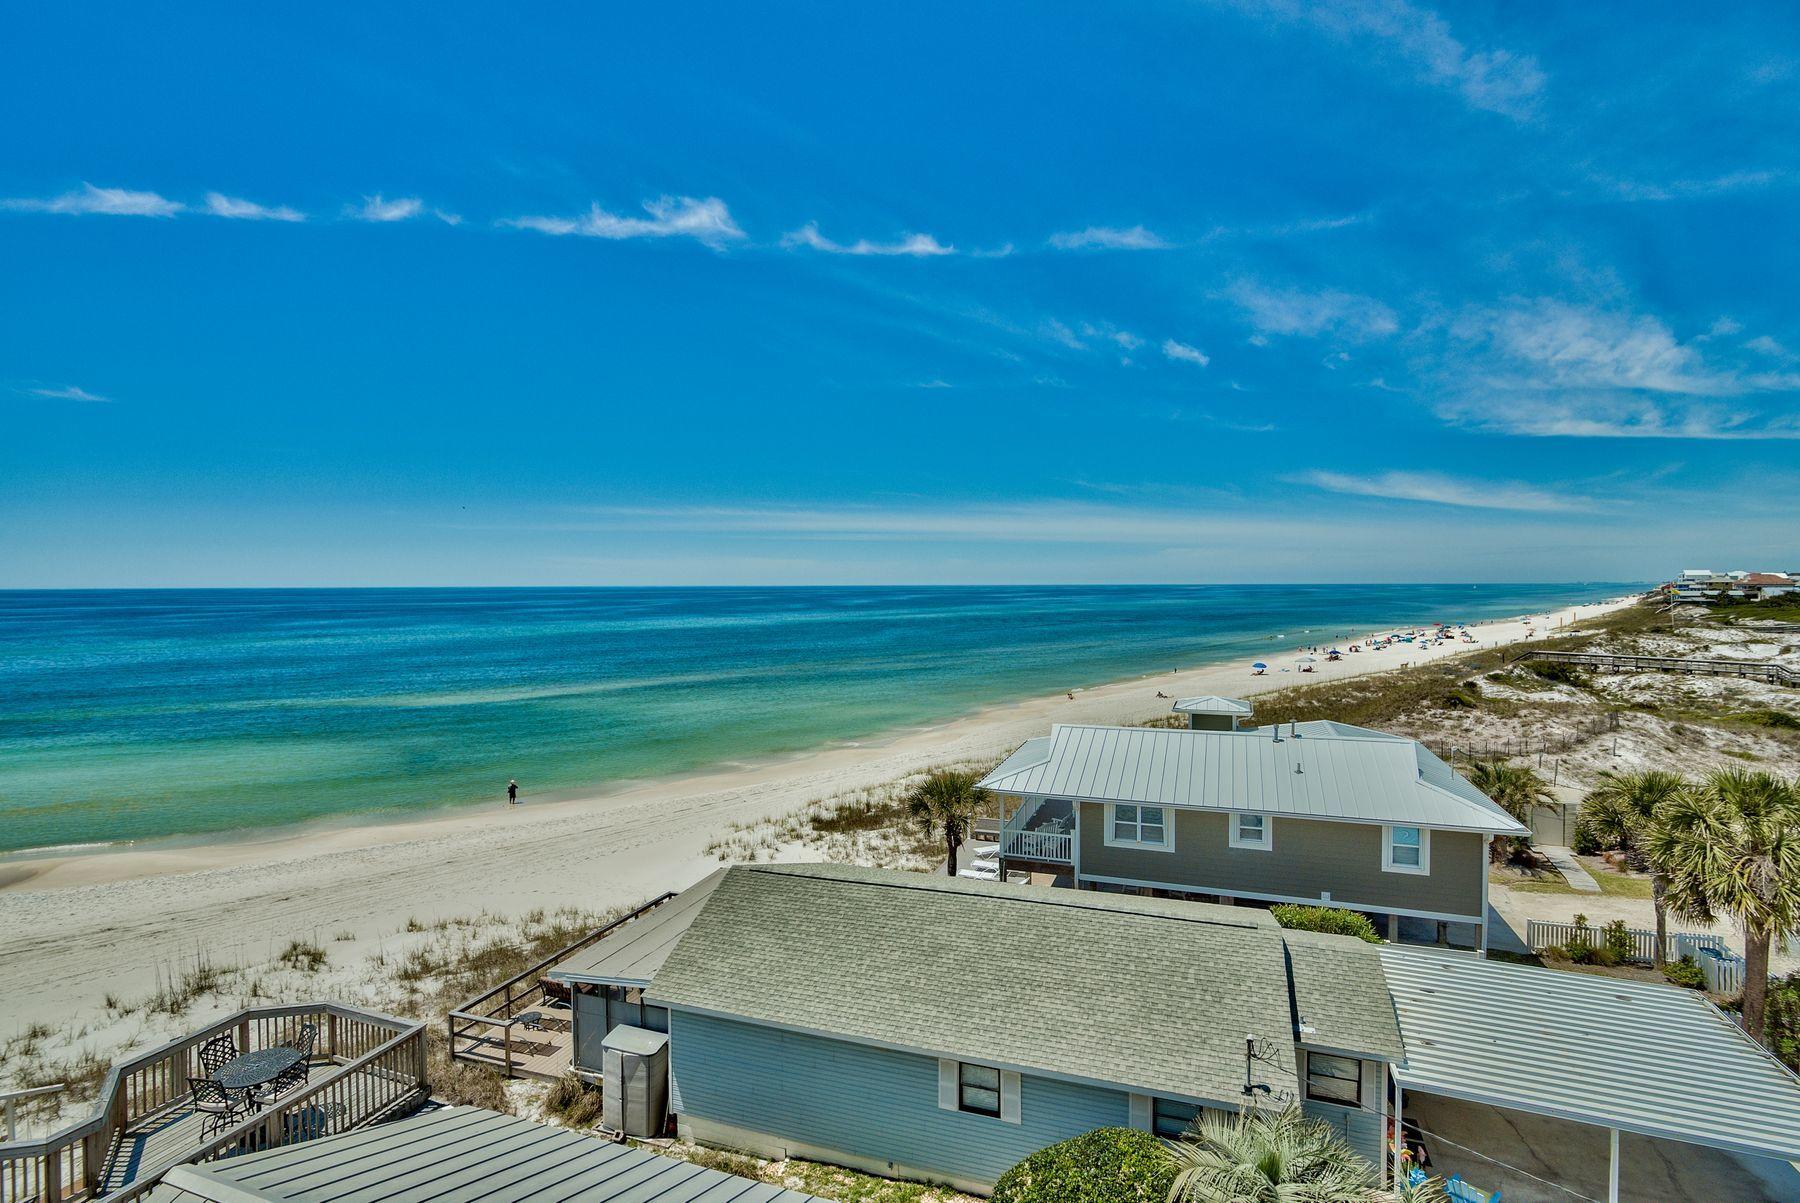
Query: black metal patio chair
x=216 y=1053
x=219 y=1107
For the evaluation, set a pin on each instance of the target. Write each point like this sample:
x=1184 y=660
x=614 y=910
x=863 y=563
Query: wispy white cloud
x=66 y=392
x=1495 y=80
x=379 y=208
x=1309 y=314
x=1058 y=332
x=1546 y=366
x=1109 y=238
x=705 y=220
x=220 y=205
x=114 y=202
x=1436 y=489
x=920 y=246
x=1125 y=340
x=1183 y=353
x=1696 y=188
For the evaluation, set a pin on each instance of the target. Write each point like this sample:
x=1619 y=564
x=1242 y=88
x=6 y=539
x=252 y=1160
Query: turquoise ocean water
x=133 y=715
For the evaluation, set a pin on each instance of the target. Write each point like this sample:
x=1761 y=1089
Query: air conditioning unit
x=635 y=1091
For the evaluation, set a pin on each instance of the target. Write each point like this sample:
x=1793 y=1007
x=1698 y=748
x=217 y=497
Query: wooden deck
x=548 y=1054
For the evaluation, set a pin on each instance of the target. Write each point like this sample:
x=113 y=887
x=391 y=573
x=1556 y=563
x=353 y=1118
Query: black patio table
x=256 y=1068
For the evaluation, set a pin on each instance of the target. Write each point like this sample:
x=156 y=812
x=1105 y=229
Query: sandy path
x=75 y=927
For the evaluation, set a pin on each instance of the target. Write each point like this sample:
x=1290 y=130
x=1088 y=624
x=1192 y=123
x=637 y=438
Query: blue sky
x=1210 y=291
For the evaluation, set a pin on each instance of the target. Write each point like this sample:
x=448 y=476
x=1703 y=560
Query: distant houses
x=1706 y=587
x=1318 y=812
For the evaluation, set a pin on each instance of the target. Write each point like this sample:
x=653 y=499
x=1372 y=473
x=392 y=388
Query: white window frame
x=1266 y=844
x=1168 y=825
x=950 y=1091
x=1387 y=849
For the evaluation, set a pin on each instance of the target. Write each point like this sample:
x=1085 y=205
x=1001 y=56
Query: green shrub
x=1107 y=1165
x=1328 y=919
x=1781 y=1020
x=1587 y=842
x=1561 y=672
x=1685 y=972
x=1616 y=943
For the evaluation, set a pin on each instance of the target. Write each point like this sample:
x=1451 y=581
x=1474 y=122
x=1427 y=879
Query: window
x=1133 y=826
x=978 y=1089
x=1406 y=849
x=1169 y=1118
x=1334 y=1079
x=1252 y=831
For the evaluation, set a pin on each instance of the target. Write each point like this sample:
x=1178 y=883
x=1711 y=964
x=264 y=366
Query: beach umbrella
x=1259 y=664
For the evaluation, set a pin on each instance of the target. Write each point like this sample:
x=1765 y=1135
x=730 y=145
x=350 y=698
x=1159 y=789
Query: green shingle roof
x=1341 y=999
x=1150 y=995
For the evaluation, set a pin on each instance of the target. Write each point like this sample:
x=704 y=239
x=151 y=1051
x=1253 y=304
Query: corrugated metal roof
x=1651 y=1059
x=1212 y=703
x=1142 y=994
x=1031 y=752
x=1364 y=777
x=461 y=1153
x=631 y=955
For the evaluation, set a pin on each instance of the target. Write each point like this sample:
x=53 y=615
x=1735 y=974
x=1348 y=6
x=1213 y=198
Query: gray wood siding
x=873 y=1103
x=1310 y=856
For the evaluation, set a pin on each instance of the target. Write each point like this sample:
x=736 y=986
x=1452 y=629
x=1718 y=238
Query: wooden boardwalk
x=1752 y=670
x=548 y=1054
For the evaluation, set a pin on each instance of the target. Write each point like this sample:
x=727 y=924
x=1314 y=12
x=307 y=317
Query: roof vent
x=1295 y=727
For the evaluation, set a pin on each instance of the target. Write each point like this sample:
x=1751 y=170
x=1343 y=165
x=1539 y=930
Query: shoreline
x=115 y=920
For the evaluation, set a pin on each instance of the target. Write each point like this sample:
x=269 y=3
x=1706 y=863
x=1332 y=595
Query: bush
x=1107 y=1165
x=1587 y=843
x=1328 y=919
x=573 y=1102
x=1781 y=1020
x=1685 y=972
x=1582 y=950
x=1616 y=943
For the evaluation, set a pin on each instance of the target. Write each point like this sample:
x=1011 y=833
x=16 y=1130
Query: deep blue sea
x=132 y=715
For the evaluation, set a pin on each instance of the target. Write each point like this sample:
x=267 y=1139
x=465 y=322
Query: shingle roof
x=1348 y=775
x=1341 y=999
x=1646 y=1058
x=1150 y=995
x=459 y=1154
x=631 y=955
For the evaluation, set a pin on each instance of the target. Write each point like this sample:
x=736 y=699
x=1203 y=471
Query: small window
x=1139 y=826
x=1170 y=1118
x=978 y=1089
x=1334 y=1079
x=1406 y=850
x=1251 y=831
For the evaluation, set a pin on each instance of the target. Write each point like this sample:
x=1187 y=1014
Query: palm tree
x=1621 y=811
x=1732 y=847
x=945 y=800
x=1272 y=1157
x=1515 y=788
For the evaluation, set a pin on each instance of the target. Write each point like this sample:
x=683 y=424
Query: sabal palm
x=1623 y=810
x=1517 y=789
x=1732 y=847
x=944 y=801
x=1269 y=1157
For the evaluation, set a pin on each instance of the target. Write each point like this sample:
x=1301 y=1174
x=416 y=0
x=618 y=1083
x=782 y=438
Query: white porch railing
x=1039 y=845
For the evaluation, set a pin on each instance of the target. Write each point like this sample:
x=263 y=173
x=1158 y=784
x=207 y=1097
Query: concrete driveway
x=1574 y=1157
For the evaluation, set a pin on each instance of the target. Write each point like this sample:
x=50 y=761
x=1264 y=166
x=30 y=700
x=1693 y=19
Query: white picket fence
x=1541 y=934
x=1724 y=970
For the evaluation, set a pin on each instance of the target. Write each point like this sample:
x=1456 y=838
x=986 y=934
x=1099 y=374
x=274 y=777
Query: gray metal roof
x=631 y=955
x=459 y=1154
x=1142 y=994
x=1341 y=999
x=1031 y=752
x=1366 y=777
x=1651 y=1059
x=1212 y=703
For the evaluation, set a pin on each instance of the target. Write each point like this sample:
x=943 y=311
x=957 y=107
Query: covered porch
x=1540 y=1081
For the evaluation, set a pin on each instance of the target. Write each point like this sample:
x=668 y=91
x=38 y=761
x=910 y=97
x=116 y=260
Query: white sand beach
x=74 y=928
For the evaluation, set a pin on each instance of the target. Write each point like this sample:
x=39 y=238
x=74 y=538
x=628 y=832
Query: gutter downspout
x=1612 y=1170
x=1399 y=1134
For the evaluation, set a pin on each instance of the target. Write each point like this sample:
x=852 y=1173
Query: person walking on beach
x=512 y=793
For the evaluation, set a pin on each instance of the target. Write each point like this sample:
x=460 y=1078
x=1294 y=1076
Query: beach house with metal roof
x=1317 y=812
x=832 y=1013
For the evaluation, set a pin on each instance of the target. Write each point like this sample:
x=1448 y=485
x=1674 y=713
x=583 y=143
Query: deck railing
x=1757 y=670
x=377 y=1063
x=490 y=1016
x=1039 y=845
